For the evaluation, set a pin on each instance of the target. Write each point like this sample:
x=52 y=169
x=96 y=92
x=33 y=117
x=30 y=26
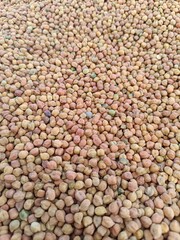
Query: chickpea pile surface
x=89 y=120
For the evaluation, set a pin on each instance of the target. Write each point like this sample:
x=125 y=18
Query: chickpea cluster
x=89 y=120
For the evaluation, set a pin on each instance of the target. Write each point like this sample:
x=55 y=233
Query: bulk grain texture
x=89 y=119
